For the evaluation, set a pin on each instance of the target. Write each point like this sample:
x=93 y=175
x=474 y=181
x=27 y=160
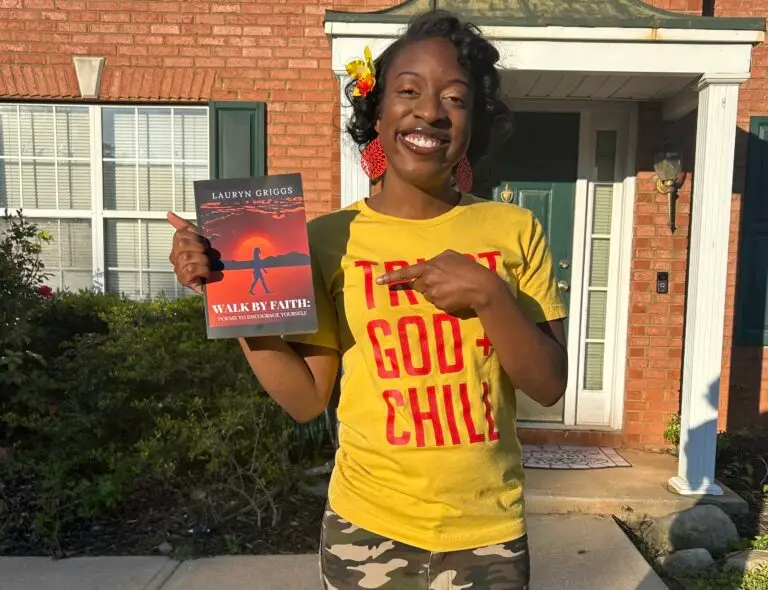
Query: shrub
x=103 y=397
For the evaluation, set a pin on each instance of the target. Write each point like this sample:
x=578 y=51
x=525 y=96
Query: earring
x=464 y=175
x=374 y=160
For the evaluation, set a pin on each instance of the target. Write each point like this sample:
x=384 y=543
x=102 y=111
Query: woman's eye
x=407 y=91
x=457 y=100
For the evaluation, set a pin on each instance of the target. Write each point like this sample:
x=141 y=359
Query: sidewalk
x=570 y=552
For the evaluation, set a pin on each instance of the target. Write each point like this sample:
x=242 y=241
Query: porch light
x=668 y=164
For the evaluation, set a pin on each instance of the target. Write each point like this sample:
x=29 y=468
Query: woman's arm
x=299 y=377
x=533 y=355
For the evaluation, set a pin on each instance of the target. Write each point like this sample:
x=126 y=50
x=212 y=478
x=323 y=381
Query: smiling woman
x=440 y=304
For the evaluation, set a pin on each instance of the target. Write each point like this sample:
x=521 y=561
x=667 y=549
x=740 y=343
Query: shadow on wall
x=748 y=383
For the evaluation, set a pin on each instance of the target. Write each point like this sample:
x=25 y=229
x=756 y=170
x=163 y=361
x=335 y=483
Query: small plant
x=672 y=431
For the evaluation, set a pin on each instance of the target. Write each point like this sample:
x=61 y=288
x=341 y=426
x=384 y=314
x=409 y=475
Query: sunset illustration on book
x=262 y=274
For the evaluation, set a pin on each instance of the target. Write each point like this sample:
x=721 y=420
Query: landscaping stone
x=686 y=561
x=705 y=526
x=747 y=560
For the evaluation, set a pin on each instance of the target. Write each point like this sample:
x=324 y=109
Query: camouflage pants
x=352 y=558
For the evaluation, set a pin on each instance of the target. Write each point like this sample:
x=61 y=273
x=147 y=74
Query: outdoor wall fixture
x=668 y=164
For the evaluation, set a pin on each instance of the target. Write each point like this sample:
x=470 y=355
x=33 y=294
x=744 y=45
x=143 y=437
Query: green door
x=552 y=204
x=537 y=169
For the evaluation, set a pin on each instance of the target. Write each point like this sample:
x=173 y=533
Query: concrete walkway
x=570 y=552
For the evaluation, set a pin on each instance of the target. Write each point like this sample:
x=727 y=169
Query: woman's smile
x=424 y=142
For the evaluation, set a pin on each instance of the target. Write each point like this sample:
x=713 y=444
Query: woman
x=437 y=302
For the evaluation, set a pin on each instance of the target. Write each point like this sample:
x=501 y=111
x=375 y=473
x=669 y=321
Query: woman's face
x=425 y=119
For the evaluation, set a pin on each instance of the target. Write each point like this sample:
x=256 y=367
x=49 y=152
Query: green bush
x=104 y=396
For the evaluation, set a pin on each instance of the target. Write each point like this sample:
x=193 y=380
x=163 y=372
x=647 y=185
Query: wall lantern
x=668 y=164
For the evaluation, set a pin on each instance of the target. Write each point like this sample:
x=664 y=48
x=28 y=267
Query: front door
x=537 y=169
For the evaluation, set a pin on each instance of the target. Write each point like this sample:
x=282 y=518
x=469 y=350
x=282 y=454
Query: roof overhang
x=608 y=38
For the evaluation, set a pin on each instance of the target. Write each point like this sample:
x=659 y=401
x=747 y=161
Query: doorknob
x=563 y=285
x=564 y=264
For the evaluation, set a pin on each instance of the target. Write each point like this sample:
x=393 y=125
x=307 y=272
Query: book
x=261 y=280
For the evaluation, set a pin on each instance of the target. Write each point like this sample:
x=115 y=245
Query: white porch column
x=355 y=185
x=710 y=229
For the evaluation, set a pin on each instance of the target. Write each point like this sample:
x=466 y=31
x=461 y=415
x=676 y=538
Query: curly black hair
x=491 y=117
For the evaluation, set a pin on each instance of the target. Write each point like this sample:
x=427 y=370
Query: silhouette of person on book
x=259 y=270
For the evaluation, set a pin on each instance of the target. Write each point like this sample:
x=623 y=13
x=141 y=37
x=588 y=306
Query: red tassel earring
x=464 y=176
x=374 y=160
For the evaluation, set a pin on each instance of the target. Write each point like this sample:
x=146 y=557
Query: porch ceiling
x=576 y=85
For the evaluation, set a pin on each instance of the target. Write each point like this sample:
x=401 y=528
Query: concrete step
x=569 y=552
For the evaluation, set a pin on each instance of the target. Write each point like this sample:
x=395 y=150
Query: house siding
x=277 y=52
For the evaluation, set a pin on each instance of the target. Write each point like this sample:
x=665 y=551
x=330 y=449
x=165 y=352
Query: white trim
x=594 y=404
x=97 y=206
x=624 y=273
x=355 y=185
x=645 y=35
x=608 y=57
x=707 y=280
x=577 y=268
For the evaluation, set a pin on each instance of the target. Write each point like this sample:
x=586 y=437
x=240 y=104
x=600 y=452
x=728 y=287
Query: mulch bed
x=154 y=521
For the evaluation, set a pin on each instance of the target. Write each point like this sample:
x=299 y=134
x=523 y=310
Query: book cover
x=261 y=283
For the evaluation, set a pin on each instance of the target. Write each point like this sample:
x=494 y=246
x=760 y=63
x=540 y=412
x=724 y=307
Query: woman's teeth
x=423 y=141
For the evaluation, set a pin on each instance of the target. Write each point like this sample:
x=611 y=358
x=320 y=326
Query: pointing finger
x=402 y=275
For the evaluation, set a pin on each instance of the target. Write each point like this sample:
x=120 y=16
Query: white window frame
x=98 y=214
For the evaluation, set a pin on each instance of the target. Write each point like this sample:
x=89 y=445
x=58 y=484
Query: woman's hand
x=451 y=282
x=190 y=254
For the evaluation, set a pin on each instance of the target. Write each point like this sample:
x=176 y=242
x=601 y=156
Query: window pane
x=9 y=132
x=155 y=187
x=53 y=168
x=73 y=133
x=152 y=156
x=137 y=259
x=74 y=185
x=10 y=185
x=186 y=175
x=68 y=258
x=596 y=310
x=602 y=209
x=119 y=186
x=122 y=243
x=38 y=184
x=160 y=284
x=191 y=134
x=155 y=134
x=601 y=251
x=593 y=367
x=119 y=133
x=124 y=282
x=157 y=237
x=36 y=130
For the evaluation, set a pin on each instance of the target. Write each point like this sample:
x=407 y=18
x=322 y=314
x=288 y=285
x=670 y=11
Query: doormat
x=571 y=457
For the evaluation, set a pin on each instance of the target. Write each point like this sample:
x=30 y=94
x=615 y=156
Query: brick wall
x=189 y=51
x=276 y=51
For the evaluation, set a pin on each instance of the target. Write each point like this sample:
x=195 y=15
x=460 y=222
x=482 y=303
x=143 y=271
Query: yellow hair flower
x=363 y=72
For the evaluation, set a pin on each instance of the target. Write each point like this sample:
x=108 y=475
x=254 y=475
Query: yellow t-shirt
x=428 y=448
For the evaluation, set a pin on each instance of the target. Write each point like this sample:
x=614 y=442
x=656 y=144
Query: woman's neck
x=399 y=199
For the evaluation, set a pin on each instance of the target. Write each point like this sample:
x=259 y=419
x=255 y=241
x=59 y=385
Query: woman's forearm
x=534 y=361
x=300 y=383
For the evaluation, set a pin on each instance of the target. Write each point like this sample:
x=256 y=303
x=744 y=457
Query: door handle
x=563 y=286
x=564 y=264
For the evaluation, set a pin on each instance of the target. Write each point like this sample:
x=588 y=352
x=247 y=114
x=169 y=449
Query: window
x=150 y=160
x=598 y=245
x=100 y=180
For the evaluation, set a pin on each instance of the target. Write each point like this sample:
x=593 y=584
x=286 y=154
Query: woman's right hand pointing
x=190 y=254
